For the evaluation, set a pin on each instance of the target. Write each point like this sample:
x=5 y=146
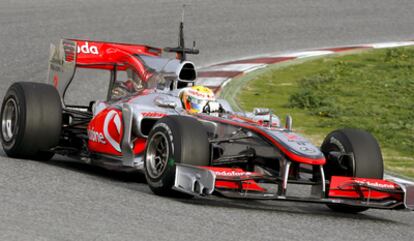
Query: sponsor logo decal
x=112 y=119
x=376 y=184
x=96 y=136
x=86 y=49
x=291 y=137
x=335 y=141
x=55 y=80
x=306 y=149
x=202 y=95
x=232 y=173
x=112 y=116
x=153 y=114
x=167 y=128
x=171 y=162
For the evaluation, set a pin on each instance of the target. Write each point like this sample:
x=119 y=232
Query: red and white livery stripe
x=215 y=76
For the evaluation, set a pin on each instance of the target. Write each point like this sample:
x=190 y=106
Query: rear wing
x=145 y=60
x=62 y=64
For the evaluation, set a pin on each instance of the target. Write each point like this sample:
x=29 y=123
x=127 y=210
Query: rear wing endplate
x=62 y=64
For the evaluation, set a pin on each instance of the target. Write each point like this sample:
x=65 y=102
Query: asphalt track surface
x=59 y=200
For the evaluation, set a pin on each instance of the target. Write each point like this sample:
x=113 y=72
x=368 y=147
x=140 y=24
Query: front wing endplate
x=194 y=180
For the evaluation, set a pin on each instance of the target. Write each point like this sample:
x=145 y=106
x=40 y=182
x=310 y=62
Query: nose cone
x=299 y=148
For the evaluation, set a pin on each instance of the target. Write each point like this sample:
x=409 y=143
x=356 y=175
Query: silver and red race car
x=143 y=126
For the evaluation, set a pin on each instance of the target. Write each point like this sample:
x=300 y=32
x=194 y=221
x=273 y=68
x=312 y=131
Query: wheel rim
x=157 y=155
x=9 y=120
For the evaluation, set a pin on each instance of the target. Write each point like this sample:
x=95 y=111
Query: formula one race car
x=187 y=142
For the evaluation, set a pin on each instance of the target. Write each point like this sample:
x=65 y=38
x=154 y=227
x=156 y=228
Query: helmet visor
x=196 y=104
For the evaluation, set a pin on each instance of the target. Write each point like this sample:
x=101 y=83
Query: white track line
x=306 y=54
x=211 y=81
x=234 y=67
x=391 y=44
x=398 y=179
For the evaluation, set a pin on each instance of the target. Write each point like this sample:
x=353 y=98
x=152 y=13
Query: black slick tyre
x=367 y=159
x=174 y=139
x=31 y=116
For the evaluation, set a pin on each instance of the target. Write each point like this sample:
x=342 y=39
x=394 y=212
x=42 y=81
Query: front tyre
x=31 y=119
x=367 y=160
x=174 y=139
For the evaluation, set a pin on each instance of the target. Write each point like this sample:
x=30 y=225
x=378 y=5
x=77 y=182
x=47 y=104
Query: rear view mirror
x=261 y=111
x=165 y=103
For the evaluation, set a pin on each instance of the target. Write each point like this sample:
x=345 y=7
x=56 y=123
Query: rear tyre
x=31 y=120
x=174 y=139
x=367 y=163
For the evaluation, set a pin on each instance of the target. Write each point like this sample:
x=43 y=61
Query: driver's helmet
x=196 y=98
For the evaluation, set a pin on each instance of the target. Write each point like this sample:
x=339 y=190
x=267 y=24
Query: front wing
x=237 y=183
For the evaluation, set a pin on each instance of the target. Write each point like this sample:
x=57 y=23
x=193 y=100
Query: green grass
x=371 y=90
